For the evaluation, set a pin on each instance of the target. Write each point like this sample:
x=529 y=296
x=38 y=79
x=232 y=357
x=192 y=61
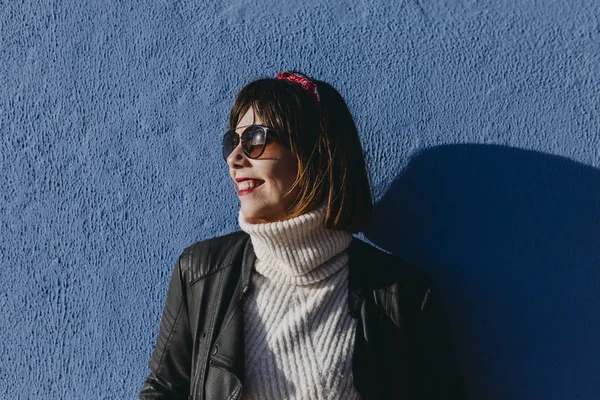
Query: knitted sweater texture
x=298 y=333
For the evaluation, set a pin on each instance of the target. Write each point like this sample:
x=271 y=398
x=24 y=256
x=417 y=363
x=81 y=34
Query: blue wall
x=481 y=127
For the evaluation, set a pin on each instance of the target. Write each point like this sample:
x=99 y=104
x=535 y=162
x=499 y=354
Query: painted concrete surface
x=480 y=123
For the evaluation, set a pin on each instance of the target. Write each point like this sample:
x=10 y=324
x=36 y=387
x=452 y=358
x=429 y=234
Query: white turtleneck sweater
x=298 y=333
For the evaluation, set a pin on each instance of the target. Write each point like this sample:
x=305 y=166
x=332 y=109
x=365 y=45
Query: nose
x=237 y=158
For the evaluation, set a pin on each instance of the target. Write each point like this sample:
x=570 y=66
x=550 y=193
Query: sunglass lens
x=254 y=140
x=230 y=141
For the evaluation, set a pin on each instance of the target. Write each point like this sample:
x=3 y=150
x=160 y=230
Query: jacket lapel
x=228 y=350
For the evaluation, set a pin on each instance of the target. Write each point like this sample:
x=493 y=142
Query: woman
x=292 y=306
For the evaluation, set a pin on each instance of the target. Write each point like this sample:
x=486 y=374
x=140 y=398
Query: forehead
x=249 y=118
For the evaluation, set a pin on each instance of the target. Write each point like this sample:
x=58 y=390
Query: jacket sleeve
x=170 y=365
x=440 y=377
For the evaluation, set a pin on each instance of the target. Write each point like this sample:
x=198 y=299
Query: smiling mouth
x=248 y=185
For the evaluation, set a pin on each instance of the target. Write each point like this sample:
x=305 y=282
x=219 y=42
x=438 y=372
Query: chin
x=254 y=216
x=260 y=215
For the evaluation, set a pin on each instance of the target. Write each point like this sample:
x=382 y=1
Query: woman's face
x=260 y=183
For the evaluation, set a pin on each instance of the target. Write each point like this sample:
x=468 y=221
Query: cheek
x=283 y=172
x=290 y=171
x=281 y=180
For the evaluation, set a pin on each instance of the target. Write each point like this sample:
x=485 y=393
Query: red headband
x=303 y=82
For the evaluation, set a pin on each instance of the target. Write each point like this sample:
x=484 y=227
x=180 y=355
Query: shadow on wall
x=512 y=239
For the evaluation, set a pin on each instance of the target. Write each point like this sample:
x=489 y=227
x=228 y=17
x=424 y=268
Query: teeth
x=248 y=184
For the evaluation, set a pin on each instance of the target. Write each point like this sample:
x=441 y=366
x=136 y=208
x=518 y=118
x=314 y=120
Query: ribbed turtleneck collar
x=297 y=251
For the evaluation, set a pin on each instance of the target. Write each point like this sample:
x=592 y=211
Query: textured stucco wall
x=480 y=122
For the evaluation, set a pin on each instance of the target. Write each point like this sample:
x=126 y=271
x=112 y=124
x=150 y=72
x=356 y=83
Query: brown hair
x=331 y=166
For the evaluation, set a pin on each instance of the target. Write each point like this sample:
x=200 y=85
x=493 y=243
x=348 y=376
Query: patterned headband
x=303 y=82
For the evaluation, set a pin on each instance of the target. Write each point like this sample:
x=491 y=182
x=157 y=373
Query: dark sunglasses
x=254 y=140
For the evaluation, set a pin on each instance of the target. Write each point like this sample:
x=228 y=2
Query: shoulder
x=400 y=287
x=380 y=269
x=211 y=255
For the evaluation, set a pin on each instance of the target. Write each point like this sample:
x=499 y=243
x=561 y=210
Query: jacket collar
x=248 y=260
x=357 y=278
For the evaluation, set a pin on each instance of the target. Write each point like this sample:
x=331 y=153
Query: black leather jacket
x=402 y=347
